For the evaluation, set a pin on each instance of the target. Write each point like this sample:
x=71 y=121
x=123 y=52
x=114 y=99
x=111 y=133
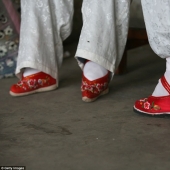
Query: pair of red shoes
x=91 y=90
x=41 y=82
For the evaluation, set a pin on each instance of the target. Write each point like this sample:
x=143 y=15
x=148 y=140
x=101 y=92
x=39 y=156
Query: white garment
x=104 y=32
x=157 y=21
x=46 y=23
x=44 y=26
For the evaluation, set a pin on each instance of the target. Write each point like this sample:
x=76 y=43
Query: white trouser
x=46 y=23
x=157 y=20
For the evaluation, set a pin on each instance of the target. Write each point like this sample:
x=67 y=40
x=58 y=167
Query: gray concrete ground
x=56 y=130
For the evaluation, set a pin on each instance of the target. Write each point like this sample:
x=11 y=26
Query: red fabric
x=33 y=82
x=153 y=105
x=165 y=84
x=93 y=89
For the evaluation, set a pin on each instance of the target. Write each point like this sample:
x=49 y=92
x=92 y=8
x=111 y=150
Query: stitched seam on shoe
x=165 y=84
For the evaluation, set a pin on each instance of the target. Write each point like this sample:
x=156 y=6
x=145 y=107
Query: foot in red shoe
x=91 y=90
x=39 y=82
x=155 y=105
x=95 y=81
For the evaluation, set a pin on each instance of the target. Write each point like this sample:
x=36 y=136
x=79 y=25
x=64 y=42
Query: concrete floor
x=56 y=130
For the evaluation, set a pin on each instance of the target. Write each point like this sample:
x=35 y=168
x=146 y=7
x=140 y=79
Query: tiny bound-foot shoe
x=91 y=90
x=39 y=82
x=155 y=105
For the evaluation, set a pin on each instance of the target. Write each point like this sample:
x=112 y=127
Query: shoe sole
x=44 y=89
x=88 y=100
x=151 y=114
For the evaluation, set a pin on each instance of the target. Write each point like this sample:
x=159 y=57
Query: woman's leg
x=102 y=41
x=157 y=20
x=44 y=26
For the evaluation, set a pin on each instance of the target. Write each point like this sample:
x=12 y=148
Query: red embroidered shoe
x=155 y=105
x=91 y=90
x=34 y=83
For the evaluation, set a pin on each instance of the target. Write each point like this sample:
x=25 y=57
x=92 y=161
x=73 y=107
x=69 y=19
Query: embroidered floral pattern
x=40 y=82
x=146 y=105
x=33 y=83
x=94 y=88
x=149 y=106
